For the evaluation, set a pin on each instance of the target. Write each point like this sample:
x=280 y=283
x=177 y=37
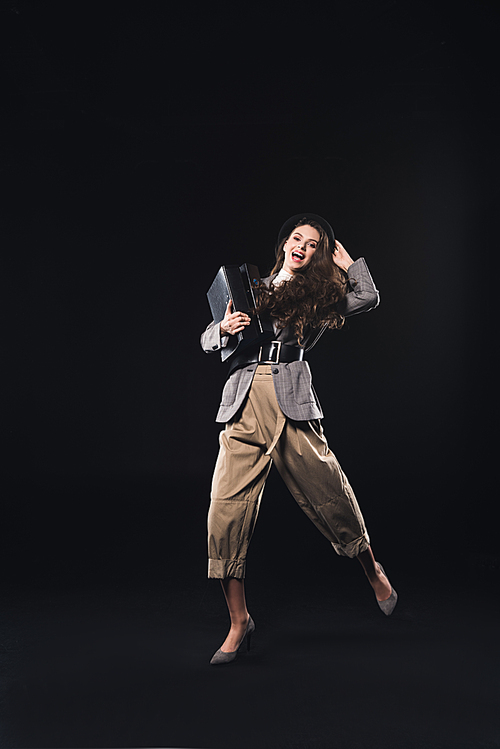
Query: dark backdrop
x=146 y=145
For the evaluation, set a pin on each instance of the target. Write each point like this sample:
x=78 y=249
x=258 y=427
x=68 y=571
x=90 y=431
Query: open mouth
x=296 y=255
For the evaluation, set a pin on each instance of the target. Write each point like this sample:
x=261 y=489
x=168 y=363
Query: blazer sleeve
x=362 y=294
x=211 y=339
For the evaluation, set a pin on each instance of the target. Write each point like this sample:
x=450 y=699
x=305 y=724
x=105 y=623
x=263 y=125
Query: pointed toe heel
x=220 y=658
x=389 y=604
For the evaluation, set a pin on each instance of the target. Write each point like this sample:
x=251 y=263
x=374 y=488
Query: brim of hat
x=292 y=222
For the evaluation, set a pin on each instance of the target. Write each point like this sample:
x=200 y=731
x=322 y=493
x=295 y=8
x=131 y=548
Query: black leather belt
x=272 y=352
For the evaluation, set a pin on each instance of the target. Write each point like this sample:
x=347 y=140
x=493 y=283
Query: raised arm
x=362 y=294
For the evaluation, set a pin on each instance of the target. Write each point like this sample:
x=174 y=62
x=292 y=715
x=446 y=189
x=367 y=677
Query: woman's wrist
x=345 y=266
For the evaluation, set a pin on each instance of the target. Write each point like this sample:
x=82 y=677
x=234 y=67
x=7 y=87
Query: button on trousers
x=260 y=435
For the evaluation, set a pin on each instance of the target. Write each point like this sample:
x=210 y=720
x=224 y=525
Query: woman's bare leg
x=234 y=591
x=376 y=577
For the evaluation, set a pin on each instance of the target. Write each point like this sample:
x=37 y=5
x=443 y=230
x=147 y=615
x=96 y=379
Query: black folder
x=239 y=283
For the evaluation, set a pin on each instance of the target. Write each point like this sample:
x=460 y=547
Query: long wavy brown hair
x=309 y=299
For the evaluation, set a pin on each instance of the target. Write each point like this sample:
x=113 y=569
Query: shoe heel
x=249 y=632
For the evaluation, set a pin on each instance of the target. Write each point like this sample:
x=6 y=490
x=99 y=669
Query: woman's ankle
x=239 y=621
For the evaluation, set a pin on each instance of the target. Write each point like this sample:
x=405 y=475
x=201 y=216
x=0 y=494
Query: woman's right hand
x=233 y=322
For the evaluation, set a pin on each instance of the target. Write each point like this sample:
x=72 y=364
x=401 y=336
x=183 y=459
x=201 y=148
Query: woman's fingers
x=234 y=322
x=238 y=321
x=239 y=317
x=341 y=257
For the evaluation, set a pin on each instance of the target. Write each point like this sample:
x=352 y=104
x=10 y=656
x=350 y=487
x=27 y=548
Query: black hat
x=292 y=222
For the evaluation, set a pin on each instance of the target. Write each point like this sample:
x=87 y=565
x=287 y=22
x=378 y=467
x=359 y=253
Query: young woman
x=272 y=415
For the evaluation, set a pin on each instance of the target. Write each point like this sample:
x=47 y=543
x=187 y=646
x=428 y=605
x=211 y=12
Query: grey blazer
x=292 y=381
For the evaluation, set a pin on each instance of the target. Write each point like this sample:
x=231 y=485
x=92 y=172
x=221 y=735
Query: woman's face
x=299 y=248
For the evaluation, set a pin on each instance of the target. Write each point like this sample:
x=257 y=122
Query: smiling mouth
x=297 y=255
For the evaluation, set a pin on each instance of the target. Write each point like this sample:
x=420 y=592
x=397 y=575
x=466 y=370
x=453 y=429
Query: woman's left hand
x=341 y=257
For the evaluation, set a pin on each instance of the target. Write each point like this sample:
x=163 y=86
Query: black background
x=145 y=145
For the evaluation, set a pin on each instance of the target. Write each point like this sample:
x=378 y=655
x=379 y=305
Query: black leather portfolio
x=239 y=283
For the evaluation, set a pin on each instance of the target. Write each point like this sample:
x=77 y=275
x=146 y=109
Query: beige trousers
x=248 y=447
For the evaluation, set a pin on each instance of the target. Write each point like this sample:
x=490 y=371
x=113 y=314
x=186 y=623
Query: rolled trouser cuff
x=222 y=568
x=354 y=548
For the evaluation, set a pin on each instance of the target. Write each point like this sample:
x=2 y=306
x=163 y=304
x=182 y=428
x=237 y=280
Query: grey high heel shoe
x=389 y=604
x=219 y=658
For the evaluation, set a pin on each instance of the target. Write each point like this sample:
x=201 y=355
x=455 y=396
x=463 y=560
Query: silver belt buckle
x=275 y=353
